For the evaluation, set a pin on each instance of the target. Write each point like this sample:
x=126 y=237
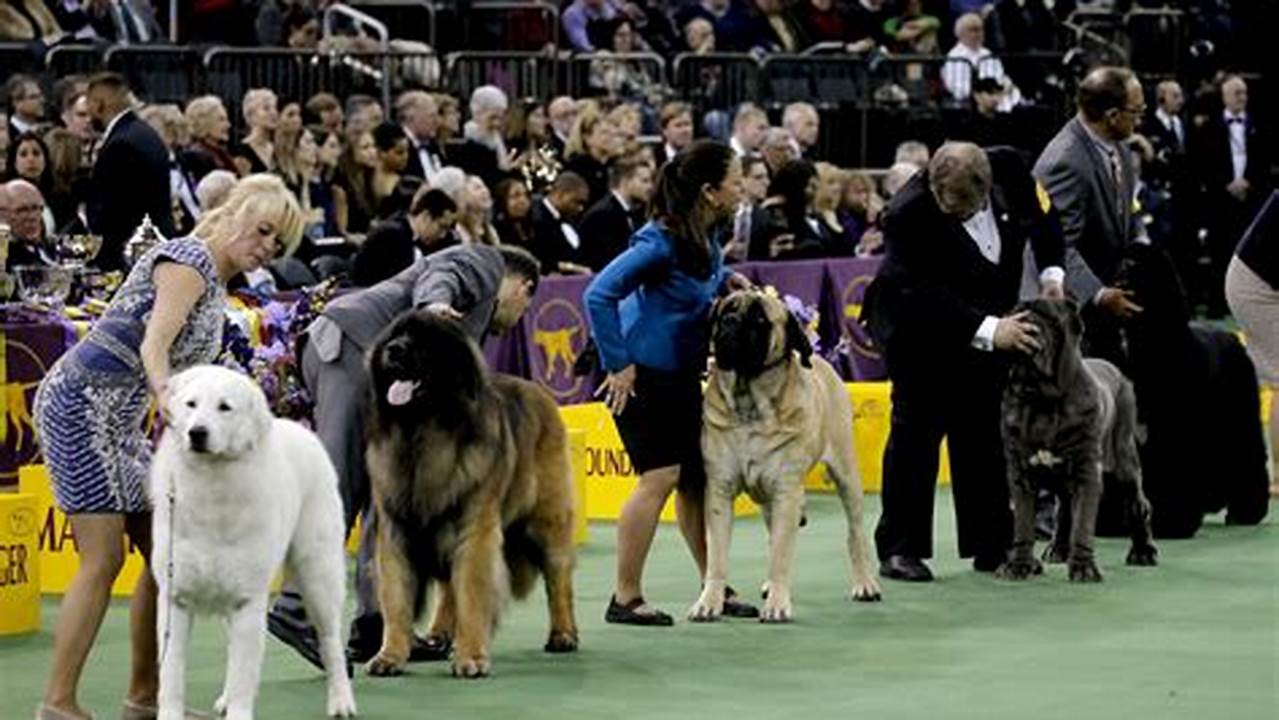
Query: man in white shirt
x=971 y=55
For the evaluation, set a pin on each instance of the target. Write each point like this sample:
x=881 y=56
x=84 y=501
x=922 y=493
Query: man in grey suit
x=1087 y=174
x=484 y=288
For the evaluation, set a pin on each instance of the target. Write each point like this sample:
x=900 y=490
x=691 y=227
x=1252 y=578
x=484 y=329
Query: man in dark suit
x=1087 y=173
x=940 y=308
x=416 y=111
x=1233 y=161
x=1168 y=175
x=396 y=243
x=556 y=241
x=130 y=178
x=607 y=227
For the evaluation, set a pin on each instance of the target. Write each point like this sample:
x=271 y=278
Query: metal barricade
x=821 y=80
x=628 y=76
x=64 y=60
x=518 y=74
x=158 y=73
x=411 y=19
x=716 y=81
x=17 y=58
x=299 y=74
x=1156 y=38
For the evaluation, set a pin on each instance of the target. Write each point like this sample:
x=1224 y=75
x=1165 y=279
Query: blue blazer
x=645 y=310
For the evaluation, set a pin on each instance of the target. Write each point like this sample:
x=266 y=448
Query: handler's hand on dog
x=1016 y=333
x=1118 y=302
x=443 y=310
x=738 y=281
x=618 y=388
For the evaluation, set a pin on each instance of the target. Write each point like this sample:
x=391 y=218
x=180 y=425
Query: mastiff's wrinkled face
x=752 y=331
x=1060 y=331
x=217 y=412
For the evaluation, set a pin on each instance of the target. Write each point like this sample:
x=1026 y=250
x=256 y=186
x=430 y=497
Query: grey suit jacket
x=466 y=277
x=1097 y=226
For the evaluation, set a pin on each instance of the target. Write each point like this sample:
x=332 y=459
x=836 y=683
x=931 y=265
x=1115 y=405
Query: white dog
x=237 y=492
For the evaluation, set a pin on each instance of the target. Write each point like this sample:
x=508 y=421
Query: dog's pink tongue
x=401 y=392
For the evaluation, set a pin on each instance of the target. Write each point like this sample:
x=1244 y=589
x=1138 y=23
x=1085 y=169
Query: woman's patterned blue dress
x=91 y=407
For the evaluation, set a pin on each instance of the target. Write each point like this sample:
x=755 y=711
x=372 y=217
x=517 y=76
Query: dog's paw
x=1084 y=571
x=708 y=608
x=342 y=703
x=561 y=641
x=1056 y=554
x=777 y=609
x=385 y=666
x=471 y=668
x=763 y=591
x=1023 y=569
x=1143 y=556
x=866 y=590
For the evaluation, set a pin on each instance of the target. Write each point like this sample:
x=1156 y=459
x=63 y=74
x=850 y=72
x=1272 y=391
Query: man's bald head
x=1234 y=94
x=959 y=176
x=24 y=208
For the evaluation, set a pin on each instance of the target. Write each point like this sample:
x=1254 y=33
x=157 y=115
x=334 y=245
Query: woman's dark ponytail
x=677 y=201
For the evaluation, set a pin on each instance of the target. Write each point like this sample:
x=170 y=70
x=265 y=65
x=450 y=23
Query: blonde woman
x=475 y=224
x=262 y=114
x=826 y=201
x=90 y=408
x=861 y=207
x=592 y=145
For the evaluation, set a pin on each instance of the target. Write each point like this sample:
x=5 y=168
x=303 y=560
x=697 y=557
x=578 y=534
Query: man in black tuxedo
x=418 y=114
x=1233 y=160
x=940 y=308
x=556 y=241
x=607 y=227
x=130 y=178
x=400 y=240
x=1168 y=175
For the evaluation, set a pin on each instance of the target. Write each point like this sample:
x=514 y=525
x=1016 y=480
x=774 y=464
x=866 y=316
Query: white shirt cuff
x=1142 y=239
x=985 y=337
x=1052 y=274
x=1096 y=299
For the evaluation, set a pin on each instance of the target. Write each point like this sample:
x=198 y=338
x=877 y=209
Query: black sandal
x=628 y=614
x=736 y=608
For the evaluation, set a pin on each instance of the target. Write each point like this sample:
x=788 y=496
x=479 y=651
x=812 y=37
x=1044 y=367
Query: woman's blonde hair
x=256 y=98
x=169 y=122
x=587 y=120
x=825 y=171
x=201 y=115
x=256 y=197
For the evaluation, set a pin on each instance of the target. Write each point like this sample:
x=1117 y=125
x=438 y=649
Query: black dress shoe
x=989 y=562
x=902 y=567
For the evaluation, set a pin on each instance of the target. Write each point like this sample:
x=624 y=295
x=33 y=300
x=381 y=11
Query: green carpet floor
x=1197 y=637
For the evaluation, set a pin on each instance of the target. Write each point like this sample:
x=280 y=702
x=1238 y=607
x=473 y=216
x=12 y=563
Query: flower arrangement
x=259 y=339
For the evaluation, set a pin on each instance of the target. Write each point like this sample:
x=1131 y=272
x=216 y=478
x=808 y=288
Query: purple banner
x=30 y=346
x=846 y=285
x=554 y=334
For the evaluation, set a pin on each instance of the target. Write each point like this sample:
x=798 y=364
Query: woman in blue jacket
x=649 y=312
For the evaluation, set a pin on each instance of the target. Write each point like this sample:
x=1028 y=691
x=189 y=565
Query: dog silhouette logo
x=850 y=324
x=559 y=332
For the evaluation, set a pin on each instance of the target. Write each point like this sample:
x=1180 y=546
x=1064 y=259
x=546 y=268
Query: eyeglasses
x=1137 y=111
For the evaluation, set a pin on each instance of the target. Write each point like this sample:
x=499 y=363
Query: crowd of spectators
x=570 y=177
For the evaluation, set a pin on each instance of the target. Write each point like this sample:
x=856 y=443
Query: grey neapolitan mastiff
x=1066 y=420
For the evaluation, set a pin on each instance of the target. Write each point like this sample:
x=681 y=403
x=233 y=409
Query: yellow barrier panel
x=577 y=450
x=872 y=418
x=609 y=475
x=19 y=564
x=58 y=558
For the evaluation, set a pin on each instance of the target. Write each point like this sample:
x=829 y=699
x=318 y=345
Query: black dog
x=1197 y=393
x=1065 y=419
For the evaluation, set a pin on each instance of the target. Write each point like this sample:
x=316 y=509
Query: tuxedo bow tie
x=1234 y=120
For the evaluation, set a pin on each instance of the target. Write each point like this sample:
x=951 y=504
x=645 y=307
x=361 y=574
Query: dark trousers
x=965 y=407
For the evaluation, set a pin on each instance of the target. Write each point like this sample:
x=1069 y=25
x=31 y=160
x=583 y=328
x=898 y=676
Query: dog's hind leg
x=842 y=471
x=173 y=628
x=1085 y=497
x=1127 y=469
x=321 y=573
x=443 y=616
x=397 y=592
x=246 y=634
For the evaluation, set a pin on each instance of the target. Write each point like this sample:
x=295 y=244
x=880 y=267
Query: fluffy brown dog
x=472 y=484
x=772 y=411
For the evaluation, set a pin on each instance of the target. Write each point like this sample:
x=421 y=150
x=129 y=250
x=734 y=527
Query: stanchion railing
x=519 y=74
